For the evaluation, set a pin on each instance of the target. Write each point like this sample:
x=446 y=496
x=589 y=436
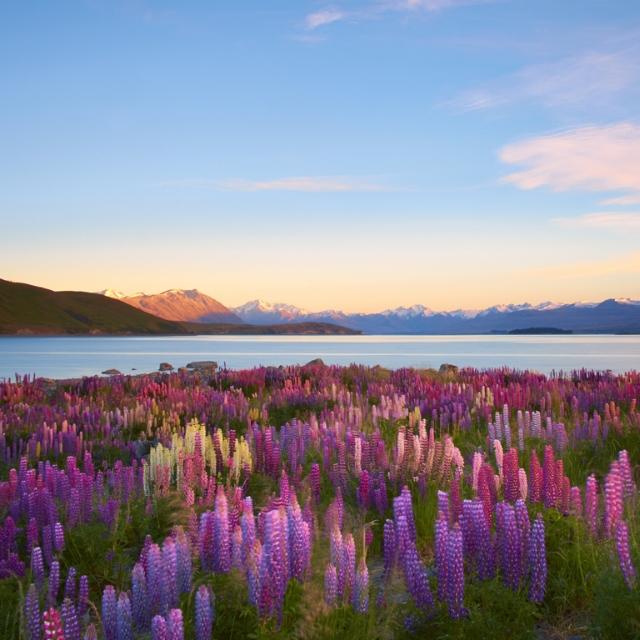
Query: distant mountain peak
x=112 y=293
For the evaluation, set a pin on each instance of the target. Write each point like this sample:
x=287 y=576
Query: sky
x=357 y=155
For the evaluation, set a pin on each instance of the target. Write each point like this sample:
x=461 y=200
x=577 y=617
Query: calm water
x=63 y=357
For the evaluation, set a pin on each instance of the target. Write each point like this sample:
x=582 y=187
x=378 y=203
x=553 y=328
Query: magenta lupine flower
x=54 y=583
x=455 y=574
x=175 y=625
x=363 y=489
x=83 y=596
x=591 y=504
x=52 y=625
x=361 y=588
x=203 y=614
x=537 y=561
x=222 y=549
x=109 y=613
x=442 y=531
x=455 y=498
x=511 y=481
x=139 y=598
x=37 y=565
x=124 y=623
x=536 y=481
x=624 y=555
x=613 y=502
x=70 y=621
x=159 y=629
x=576 y=502
x=32 y=614
x=91 y=633
x=549 y=477
x=330 y=585
x=389 y=547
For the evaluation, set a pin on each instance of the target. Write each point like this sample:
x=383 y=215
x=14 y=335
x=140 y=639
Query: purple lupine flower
x=159 y=629
x=248 y=526
x=508 y=545
x=624 y=555
x=154 y=579
x=273 y=570
x=139 y=598
x=389 y=547
x=169 y=575
x=591 y=504
x=314 y=480
x=330 y=585
x=361 y=588
x=524 y=529
x=58 y=537
x=443 y=505
x=183 y=561
x=455 y=574
x=32 y=534
x=83 y=596
x=54 y=583
x=70 y=620
x=175 y=625
x=537 y=561
x=222 y=549
x=109 y=613
x=124 y=626
x=416 y=578
x=442 y=530
x=348 y=565
x=70 y=584
x=32 y=614
x=37 y=565
x=203 y=614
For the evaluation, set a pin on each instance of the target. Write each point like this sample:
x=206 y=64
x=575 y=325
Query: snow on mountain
x=417 y=310
x=112 y=293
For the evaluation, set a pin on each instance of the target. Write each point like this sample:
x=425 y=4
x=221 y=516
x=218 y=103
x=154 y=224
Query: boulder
x=111 y=372
x=316 y=362
x=165 y=366
x=448 y=368
x=202 y=364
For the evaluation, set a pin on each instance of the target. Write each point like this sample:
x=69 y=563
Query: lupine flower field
x=320 y=502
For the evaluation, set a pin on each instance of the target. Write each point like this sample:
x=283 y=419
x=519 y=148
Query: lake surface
x=65 y=357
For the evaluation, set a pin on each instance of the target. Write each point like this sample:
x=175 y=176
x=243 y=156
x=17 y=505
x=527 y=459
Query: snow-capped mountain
x=613 y=315
x=187 y=305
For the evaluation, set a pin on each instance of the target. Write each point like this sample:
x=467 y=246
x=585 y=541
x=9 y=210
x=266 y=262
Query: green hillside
x=26 y=309
x=29 y=310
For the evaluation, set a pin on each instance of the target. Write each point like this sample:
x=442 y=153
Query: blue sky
x=359 y=155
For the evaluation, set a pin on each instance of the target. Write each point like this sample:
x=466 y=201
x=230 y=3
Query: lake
x=65 y=357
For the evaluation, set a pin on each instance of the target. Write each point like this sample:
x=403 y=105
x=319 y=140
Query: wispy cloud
x=324 y=17
x=602 y=220
x=370 y=10
x=629 y=263
x=591 y=158
x=306 y=184
x=590 y=78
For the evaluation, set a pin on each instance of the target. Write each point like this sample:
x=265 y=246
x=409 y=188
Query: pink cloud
x=591 y=158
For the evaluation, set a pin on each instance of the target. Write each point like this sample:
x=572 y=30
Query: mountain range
x=615 y=315
x=29 y=310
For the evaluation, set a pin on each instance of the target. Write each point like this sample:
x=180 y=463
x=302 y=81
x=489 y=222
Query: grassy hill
x=26 y=309
x=29 y=310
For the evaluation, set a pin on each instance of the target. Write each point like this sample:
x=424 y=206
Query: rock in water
x=111 y=372
x=448 y=368
x=203 y=364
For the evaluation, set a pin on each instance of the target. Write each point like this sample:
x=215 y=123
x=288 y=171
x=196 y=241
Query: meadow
x=320 y=502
